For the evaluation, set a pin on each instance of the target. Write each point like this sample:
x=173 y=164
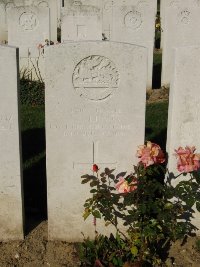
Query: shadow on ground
x=34 y=179
x=159 y=139
x=156 y=82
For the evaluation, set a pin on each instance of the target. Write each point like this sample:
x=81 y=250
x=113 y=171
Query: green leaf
x=108 y=171
x=94 y=183
x=134 y=250
x=93 y=191
x=85 y=176
x=107 y=223
x=198 y=206
x=86 y=214
x=85 y=181
x=103 y=179
x=96 y=214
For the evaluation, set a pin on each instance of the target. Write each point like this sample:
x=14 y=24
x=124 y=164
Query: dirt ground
x=36 y=251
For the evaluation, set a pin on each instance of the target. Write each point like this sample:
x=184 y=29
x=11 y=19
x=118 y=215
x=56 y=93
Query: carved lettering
x=184 y=17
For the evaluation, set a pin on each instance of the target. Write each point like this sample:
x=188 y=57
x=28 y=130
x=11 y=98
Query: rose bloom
x=188 y=161
x=95 y=168
x=150 y=154
x=124 y=187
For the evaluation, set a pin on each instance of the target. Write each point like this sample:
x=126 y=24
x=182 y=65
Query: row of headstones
x=95 y=113
x=30 y=23
x=130 y=21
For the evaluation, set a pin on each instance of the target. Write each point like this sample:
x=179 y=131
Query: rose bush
x=154 y=212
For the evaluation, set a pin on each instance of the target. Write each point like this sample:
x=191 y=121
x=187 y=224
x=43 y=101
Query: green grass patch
x=156 y=123
x=33 y=135
x=31 y=92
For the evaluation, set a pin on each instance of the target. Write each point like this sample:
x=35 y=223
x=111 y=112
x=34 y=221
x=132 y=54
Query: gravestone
x=180 y=21
x=184 y=106
x=133 y=21
x=11 y=200
x=81 y=22
x=28 y=27
x=3 y=30
x=128 y=21
x=95 y=113
x=5 y=6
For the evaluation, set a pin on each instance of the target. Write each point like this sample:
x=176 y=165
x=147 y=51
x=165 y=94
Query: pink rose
x=124 y=187
x=150 y=154
x=188 y=161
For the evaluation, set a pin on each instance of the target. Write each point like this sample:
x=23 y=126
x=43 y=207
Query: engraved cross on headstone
x=107 y=19
x=87 y=166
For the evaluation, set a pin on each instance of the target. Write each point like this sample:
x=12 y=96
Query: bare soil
x=36 y=251
x=157 y=95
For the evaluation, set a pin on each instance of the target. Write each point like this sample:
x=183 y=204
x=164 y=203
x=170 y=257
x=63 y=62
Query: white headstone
x=184 y=105
x=3 y=30
x=28 y=27
x=128 y=21
x=95 y=113
x=81 y=22
x=181 y=18
x=133 y=21
x=5 y=6
x=11 y=203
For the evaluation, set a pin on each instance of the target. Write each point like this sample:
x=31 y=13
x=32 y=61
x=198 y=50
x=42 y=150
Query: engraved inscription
x=9 y=5
x=28 y=21
x=108 y=5
x=6 y=122
x=184 y=17
x=43 y=4
x=81 y=31
x=174 y=3
x=95 y=78
x=101 y=123
x=133 y=20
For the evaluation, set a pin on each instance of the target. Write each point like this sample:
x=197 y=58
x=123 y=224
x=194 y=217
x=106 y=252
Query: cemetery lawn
x=36 y=250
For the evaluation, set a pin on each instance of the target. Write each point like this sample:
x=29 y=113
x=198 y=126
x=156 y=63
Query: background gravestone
x=128 y=21
x=95 y=113
x=81 y=22
x=133 y=21
x=184 y=106
x=179 y=29
x=11 y=210
x=5 y=6
x=27 y=28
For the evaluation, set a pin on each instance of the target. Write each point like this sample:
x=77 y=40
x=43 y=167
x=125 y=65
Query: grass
x=156 y=123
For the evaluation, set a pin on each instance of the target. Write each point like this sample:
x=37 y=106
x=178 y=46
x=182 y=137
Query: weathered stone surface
x=184 y=106
x=11 y=210
x=95 y=113
x=5 y=6
x=81 y=22
x=28 y=27
x=133 y=21
x=128 y=21
x=180 y=21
